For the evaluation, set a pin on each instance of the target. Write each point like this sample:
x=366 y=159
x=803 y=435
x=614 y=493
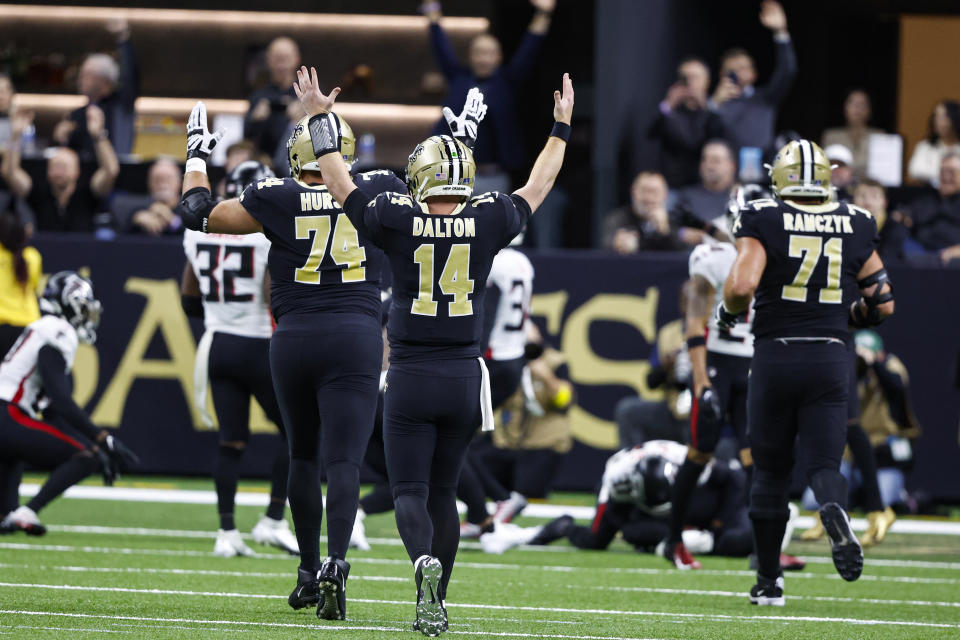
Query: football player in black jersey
x=440 y=243
x=812 y=269
x=326 y=351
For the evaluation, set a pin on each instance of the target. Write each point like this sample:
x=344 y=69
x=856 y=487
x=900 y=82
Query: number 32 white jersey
x=20 y=382
x=231 y=270
x=512 y=273
x=713 y=262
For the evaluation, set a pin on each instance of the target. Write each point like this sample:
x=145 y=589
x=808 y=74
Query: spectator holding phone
x=685 y=124
x=749 y=112
x=266 y=120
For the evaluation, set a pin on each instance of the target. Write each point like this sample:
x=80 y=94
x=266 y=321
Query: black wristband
x=561 y=130
x=324 y=134
x=696 y=341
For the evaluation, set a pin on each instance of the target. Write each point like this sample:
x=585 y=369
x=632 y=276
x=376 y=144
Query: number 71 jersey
x=230 y=270
x=814 y=254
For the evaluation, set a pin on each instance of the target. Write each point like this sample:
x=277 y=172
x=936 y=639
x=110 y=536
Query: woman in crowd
x=944 y=137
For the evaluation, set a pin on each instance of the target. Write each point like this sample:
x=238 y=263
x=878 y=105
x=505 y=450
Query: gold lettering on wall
x=588 y=368
x=162 y=313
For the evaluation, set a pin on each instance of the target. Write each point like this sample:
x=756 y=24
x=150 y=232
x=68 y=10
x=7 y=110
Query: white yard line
x=615 y=612
x=404 y=630
x=789 y=596
x=917 y=564
x=183 y=572
x=468 y=565
x=250 y=499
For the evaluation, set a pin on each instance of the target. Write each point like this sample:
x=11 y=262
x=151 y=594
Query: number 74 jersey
x=231 y=270
x=814 y=254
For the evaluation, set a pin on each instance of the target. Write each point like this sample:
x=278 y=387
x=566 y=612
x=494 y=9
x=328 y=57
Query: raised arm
x=108 y=167
x=773 y=17
x=521 y=63
x=548 y=163
x=325 y=145
x=198 y=209
x=443 y=52
x=19 y=180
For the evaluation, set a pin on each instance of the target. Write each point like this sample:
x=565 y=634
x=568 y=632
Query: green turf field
x=148 y=573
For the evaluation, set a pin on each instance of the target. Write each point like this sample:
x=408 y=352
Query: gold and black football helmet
x=801 y=170
x=300 y=146
x=441 y=166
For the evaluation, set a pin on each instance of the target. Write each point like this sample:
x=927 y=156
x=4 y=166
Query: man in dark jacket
x=112 y=87
x=266 y=120
x=936 y=216
x=500 y=149
x=685 y=124
x=749 y=113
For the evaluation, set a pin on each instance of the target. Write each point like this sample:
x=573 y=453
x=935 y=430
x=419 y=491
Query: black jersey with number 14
x=440 y=265
x=318 y=263
x=814 y=253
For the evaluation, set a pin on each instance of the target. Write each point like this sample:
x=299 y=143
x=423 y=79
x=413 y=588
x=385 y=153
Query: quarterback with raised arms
x=440 y=242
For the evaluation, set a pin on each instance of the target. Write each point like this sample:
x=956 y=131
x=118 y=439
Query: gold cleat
x=816 y=532
x=878 y=523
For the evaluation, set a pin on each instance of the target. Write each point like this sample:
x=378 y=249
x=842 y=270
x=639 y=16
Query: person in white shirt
x=944 y=138
x=226 y=282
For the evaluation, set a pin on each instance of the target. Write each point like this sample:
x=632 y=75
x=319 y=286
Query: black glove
x=106 y=466
x=121 y=456
x=725 y=319
x=708 y=406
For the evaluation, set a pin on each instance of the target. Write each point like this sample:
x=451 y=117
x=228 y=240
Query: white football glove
x=464 y=126
x=200 y=142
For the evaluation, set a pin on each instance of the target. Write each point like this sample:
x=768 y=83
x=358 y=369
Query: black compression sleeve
x=56 y=385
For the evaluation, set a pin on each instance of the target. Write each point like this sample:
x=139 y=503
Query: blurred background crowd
x=85 y=152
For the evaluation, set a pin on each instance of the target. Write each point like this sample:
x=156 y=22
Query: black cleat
x=553 y=530
x=332 y=583
x=847 y=552
x=767 y=593
x=431 y=612
x=307 y=592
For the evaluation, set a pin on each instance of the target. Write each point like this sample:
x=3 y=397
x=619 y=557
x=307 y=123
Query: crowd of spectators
x=710 y=144
x=713 y=133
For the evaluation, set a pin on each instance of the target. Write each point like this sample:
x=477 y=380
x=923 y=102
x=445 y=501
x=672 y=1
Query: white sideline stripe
x=470 y=565
x=250 y=499
x=287 y=625
x=918 y=564
x=184 y=572
x=740 y=594
x=23 y=626
x=498 y=607
x=656 y=590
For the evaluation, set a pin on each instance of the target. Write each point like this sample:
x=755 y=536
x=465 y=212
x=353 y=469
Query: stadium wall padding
x=602 y=311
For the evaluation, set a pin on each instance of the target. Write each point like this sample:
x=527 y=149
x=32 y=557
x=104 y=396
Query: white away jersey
x=713 y=262
x=512 y=273
x=20 y=382
x=231 y=270
x=618 y=484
